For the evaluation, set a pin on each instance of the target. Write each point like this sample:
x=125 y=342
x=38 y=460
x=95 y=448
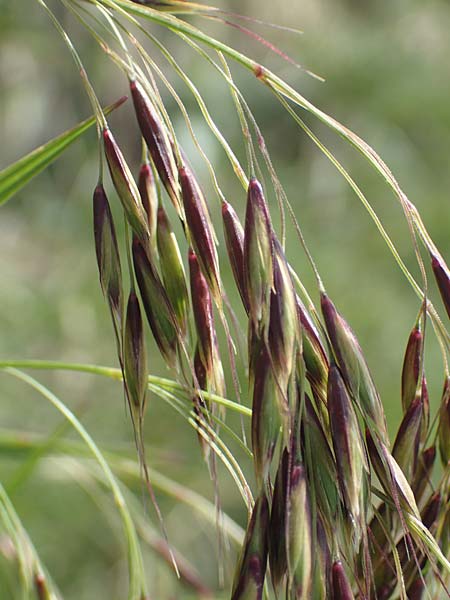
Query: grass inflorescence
x=336 y=510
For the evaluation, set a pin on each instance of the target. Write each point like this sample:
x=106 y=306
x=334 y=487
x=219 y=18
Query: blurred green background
x=385 y=63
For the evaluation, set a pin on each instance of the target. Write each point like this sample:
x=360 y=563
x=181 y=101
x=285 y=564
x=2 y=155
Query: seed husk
x=444 y=424
x=284 y=326
x=277 y=530
x=149 y=198
x=299 y=528
x=172 y=270
x=201 y=232
x=135 y=356
x=208 y=347
x=406 y=445
x=258 y=255
x=442 y=276
x=234 y=240
x=342 y=589
x=107 y=252
x=158 y=142
x=353 y=366
x=349 y=450
x=126 y=187
x=411 y=367
x=159 y=311
x=315 y=357
x=266 y=414
x=251 y=569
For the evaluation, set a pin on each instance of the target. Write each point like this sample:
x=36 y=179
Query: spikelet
x=444 y=424
x=108 y=259
x=158 y=142
x=201 y=232
x=251 y=569
x=411 y=367
x=234 y=240
x=159 y=311
x=406 y=445
x=135 y=357
x=172 y=270
x=349 y=450
x=258 y=256
x=126 y=187
x=353 y=367
x=442 y=276
x=149 y=197
x=208 y=348
x=341 y=587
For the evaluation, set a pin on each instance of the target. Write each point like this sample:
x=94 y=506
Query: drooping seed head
x=284 y=327
x=342 y=590
x=258 y=255
x=442 y=276
x=444 y=424
x=126 y=187
x=411 y=367
x=135 y=355
x=201 y=232
x=234 y=240
x=158 y=142
x=107 y=251
x=353 y=366
x=251 y=569
x=149 y=198
x=266 y=414
x=159 y=311
x=204 y=323
x=348 y=446
x=406 y=445
x=172 y=270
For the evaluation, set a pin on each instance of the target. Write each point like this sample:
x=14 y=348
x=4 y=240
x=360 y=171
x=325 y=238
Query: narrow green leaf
x=14 y=177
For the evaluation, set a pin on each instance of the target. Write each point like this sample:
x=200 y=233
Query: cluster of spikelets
x=340 y=512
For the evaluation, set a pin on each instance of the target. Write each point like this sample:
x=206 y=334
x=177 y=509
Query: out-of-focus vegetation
x=385 y=64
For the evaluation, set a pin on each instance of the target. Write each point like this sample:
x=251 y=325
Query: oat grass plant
x=274 y=385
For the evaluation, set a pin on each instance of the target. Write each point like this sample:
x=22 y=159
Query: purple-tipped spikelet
x=149 y=198
x=108 y=258
x=258 y=255
x=208 y=348
x=342 y=590
x=135 y=356
x=126 y=187
x=172 y=270
x=201 y=232
x=284 y=326
x=234 y=240
x=251 y=569
x=444 y=424
x=299 y=534
x=158 y=142
x=442 y=276
x=266 y=414
x=159 y=311
x=406 y=445
x=353 y=366
x=349 y=450
x=411 y=367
